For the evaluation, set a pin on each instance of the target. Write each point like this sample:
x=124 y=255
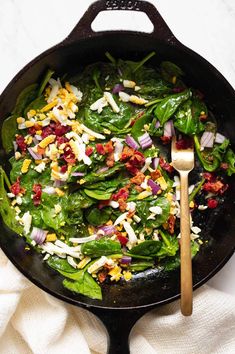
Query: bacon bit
x=21 y=143
x=135 y=162
x=40 y=150
x=138 y=179
x=184 y=143
x=68 y=155
x=215 y=187
x=102 y=275
x=37 y=189
x=138 y=189
x=127 y=152
x=89 y=150
x=122 y=205
x=100 y=149
x=108 y=147
x=212 y=203
x=62 y=129
x=224 y=165
x=123 y=193
x=122 y=239
x=166 y=166
x=16 y=188
x=171 y=224
x=155 y=174
x=210 y=177
x=165 y=139
x=46 y=131
x=110 y=160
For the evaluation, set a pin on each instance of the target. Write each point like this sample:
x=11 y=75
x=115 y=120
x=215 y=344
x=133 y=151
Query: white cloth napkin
x=32 y=321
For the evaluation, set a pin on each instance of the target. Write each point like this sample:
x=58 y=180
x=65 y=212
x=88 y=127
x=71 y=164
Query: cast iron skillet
x=123 y=304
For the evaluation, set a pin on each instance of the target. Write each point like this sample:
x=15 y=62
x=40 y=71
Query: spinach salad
x=91 y=186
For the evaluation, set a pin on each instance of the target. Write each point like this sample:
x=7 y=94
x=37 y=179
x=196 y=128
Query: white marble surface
x=28 y=27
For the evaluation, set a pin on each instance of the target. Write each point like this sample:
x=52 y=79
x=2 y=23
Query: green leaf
x=230 y=160
x=8 y=132
x=28 y=94
x=141 y=265
x=96 y=194
x=37 y=104
x=167 y=107
x=169 y=70
x=187 y=117
x=60 y=264
x=7 y=212
x=85 y=285
x=44 y=82
x=142 y=208
x=137 y=128
x=97 y=216
x=170 y=245
x=147 y=248
x=102 y=247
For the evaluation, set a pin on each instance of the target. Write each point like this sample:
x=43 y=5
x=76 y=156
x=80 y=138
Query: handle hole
x=130 y=20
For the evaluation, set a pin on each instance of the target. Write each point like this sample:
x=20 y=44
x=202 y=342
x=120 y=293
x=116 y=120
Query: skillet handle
x=118 y=324
x=83 y=29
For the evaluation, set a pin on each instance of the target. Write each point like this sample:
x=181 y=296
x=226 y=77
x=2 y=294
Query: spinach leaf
x=137 y=128
x=85 y=285
x=97 y=216
x=101 y=176
x=142 y=208
x=170 y=245
x=102 y=247
x=147 y=248
x=25 y=97
x=211 y=158
x=167 y=107
x=37 y=104
x=78 y=200
x=141 y=265
x=187 y=116
x=169 y=70
x=230 y=160
x=7 y=212
x=44 y=82
x=60 y=264
x=8 y=132
x=97 y=194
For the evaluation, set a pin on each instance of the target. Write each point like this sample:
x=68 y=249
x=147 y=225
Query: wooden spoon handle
x=185 y=248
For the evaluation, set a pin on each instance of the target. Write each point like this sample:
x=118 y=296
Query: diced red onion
x=34 y=155
x=126 y=260
x=145 y=141
x=102 y=169
x=154 y=186
x=157 y=125
x=58 y=183
x=130 y=141
x=219 y=138
x=118 y=88
x=207 y=139
x=169 y=130
x=108 y=229
x=38 y=235
x=155 y=162
x=77 y=174
x=15 y=146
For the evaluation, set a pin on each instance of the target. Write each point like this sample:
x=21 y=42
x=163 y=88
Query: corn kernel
x=20 y=120
x=59 y=192
x=31 y=113
x=39 y=132
x=162 y=182
x=191 y=204
x=51 y=237
x=29 y=124
x=49 y=106
x=127 y=275
x=25 y=165
x=46 y=141
x=83 y=262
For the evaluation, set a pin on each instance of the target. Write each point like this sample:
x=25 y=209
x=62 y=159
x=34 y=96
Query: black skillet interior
x=83 y=46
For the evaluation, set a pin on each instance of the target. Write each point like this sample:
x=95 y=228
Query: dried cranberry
x=15 y=188
x=32 y=130
x=212 y=203
x=61 y=140
x=68 y=155
x=184 y=143
x=122 y=239
x=165 y=165
x=46 y=131
x=64 y=168
x=123 y=193
x=37 y=189
x=165 y=139
x=62 y=129
x=21 y=143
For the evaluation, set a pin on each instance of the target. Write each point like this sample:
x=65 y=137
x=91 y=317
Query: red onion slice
x=34 y=155
x=155 y=162
x=126 y=260
x=108 y=229
x=38 y=235
x=145 y=141
x=77 y=174
x=219 y=138
x=102 y=169
x=207 y=139
x=169 y=130
x=154 y=186
x=130 y=141
x=118 y=88
x=158 y=124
